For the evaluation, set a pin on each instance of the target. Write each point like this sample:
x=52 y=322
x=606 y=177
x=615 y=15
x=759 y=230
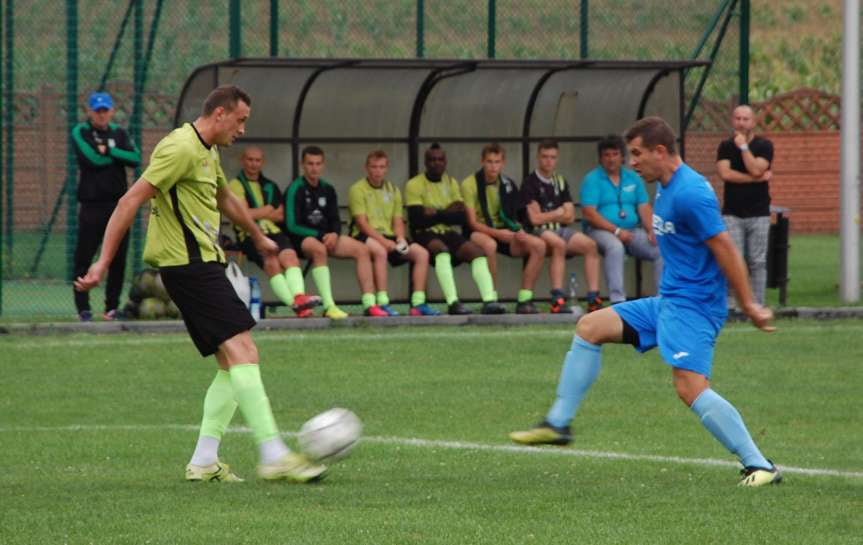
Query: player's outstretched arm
x=238 y=212
x=122 y=217
x=732 y=265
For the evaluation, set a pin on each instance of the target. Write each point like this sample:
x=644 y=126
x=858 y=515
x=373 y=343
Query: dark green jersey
x=184 y=217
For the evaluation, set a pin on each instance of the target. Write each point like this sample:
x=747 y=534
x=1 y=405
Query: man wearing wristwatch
x=618 y=215
x=744 y=164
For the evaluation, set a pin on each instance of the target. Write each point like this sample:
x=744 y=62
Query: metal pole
x=492 y=28
x=3 y=104
x=72 y=107
x=420 y=29
x=744 y=52
x=583 y=30
x=849 y=194
x=9 y=112
x=274 y=28
x=234 y=24
x=135 y=123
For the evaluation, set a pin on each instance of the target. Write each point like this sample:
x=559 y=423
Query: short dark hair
x=435 y=146
x=547 y=144
x=225 y=96
x=494 y=148
x=611 y=141
x=654 y=131
x=311 y=150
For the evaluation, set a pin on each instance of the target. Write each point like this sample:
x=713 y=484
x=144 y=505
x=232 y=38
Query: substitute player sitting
x=551 y=215
x=263 y=198
x=437 y=215
x=377 y=219
x=312 y=219
x=684 y=319
x=493 y=203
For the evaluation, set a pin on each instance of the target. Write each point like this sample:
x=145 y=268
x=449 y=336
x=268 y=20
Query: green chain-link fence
x=54 y=54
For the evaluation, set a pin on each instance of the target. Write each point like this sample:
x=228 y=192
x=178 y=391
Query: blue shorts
x=685 y=337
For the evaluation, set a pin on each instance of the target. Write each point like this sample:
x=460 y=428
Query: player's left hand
x=760 y=316
x=92 y=278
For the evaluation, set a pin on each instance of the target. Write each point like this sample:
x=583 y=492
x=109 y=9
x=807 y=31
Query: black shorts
x=394 y=258
x=210 y=307
x=247 y=246
x=452 y=240
x=504 y=248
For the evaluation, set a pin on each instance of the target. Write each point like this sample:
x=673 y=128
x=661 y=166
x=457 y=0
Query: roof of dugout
x=349 y=107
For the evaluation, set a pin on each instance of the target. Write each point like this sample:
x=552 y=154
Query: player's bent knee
x=602 y=326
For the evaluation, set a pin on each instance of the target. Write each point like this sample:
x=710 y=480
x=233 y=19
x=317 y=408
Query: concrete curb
x=290 y=324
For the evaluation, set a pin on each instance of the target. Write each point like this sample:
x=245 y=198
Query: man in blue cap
x=104 y=150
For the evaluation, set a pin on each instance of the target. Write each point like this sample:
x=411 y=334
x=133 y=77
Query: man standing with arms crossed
x=188 y=189
x=104 y=151
x=684 y=320
x=743 y=162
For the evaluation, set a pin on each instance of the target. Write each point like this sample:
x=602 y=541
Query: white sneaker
x=760 y=476
x=219 y=472
x=294 y=467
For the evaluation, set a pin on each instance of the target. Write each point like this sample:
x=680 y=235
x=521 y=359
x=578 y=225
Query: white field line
x=462 y=445
x=11 y=343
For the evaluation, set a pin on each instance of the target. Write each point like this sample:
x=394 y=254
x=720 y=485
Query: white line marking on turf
x=464 y=445
x=333 y=336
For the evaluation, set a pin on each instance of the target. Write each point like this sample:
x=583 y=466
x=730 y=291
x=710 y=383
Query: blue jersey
x=685 y=214
x=598 y=190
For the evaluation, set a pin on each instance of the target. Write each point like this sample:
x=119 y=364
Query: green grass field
x=96 y=430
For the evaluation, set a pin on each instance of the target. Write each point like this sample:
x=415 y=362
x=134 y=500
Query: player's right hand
x=266 y=246
x=91 y=279
x=761 y=317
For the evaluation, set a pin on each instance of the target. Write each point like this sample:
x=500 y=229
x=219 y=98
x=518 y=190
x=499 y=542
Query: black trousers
x=92 y=220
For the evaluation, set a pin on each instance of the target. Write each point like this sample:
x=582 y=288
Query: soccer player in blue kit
x=684 y=319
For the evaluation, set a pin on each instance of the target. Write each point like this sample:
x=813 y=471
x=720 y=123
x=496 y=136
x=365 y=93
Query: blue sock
x=580 y=369
x=725 y=423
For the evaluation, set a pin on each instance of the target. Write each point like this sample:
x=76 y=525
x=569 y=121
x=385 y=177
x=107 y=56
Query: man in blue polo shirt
x=687 y=316
x=618 y=215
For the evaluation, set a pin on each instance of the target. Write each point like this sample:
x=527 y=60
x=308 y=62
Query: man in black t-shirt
x=744 y=164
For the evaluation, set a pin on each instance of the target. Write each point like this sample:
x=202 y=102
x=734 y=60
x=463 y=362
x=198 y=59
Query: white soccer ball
x=331 y=435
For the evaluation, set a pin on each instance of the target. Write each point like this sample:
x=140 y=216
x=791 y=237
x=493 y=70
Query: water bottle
x=573 y=294
x=255 y=299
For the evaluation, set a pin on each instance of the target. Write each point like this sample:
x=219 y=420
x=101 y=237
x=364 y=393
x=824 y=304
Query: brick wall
x=805 y=179
x=805 y=174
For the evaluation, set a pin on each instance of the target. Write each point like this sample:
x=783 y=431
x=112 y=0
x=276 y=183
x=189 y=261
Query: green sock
x=321 y=276
x=524 y=296
x=281 y=289
x=294 y=278
x=219 y=406
x=482 y=277
x=383 y=298
x=252 y=399
x=368 y=300
x=443 y=271
x=418 y=298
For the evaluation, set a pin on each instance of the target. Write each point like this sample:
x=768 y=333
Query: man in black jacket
x=104 y=150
